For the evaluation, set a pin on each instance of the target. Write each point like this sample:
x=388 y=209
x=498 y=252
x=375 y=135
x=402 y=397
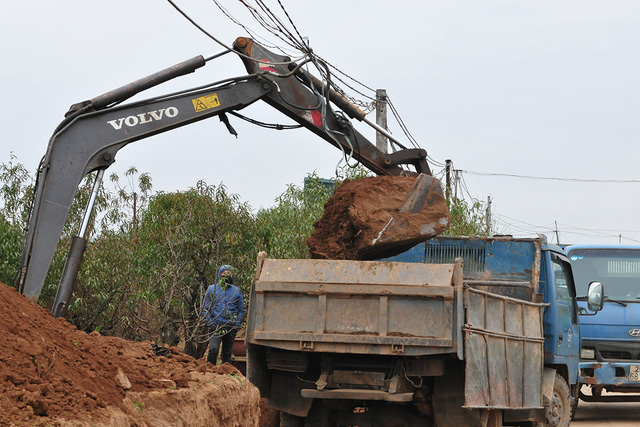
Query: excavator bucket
x=378 y=217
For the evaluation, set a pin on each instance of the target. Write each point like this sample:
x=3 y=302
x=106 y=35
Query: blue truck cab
x=502 y=258
x=610 y=353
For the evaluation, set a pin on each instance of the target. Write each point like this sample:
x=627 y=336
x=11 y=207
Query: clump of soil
x=364 y=220
x=52 y=374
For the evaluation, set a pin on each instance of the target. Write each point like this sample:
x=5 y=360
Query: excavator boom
x=95 y=130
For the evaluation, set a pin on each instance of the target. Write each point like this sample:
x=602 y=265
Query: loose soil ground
x=363 y=219
x=51 y=374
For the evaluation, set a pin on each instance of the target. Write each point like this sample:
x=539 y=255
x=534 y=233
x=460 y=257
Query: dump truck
x=454 y=332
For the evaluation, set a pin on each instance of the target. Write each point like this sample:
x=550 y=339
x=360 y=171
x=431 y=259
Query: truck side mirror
x=595 y=296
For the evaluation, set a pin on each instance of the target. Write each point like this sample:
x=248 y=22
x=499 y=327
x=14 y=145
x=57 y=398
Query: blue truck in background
x=454 y=332
x=610 y=355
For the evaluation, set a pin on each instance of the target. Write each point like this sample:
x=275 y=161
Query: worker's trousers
x=226 y=337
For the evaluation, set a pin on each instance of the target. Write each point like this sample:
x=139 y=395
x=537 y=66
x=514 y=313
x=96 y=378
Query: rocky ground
x=51 y=374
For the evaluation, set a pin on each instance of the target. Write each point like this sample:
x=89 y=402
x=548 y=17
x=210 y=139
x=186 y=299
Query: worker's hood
x=226 y=268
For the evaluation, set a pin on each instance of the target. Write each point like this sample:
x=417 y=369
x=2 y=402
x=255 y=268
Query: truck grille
x=614 y=350
x=620 y=355
x=439 y=253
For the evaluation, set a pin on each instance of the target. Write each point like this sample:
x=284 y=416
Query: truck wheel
x=574 y=407
x=575 y=398
x=288 y=420
x=558 y=414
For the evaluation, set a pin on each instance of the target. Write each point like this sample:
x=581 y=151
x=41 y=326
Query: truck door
x=566 y=315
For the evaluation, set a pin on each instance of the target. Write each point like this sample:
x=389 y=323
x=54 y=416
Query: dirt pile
x=370 y=218
x=52 y=374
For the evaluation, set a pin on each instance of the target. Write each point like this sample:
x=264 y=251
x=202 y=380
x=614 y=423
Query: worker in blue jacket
x=223 y=311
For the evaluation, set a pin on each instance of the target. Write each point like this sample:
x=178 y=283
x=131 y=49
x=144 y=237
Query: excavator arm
x=95 y=130
x=297 y=96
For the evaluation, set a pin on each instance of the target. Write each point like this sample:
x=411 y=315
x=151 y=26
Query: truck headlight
x=588 y=353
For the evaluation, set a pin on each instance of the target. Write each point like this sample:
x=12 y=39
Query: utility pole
x=448 y=175
x=456 y=179
x=381 y=119
x=488 y=215
x=557 y=233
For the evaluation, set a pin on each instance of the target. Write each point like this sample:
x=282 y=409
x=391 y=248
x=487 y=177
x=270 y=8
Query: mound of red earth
x=371 y=218
x=51 y=374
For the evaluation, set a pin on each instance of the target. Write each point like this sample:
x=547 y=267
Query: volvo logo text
x=151 y=116
x=634 y=332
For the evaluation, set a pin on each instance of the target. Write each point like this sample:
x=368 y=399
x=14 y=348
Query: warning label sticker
x=206 y=102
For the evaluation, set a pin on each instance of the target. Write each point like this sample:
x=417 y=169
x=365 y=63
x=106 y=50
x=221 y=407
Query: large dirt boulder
x=378 y=217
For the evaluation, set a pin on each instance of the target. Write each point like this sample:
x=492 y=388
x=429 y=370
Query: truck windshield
x=617 y=269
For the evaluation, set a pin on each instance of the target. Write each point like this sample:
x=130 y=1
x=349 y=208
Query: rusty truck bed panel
x=503 y=351
x=355 y=272
x=367 y=307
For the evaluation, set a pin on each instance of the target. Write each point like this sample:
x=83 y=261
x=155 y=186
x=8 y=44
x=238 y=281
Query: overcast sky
x=534 y=89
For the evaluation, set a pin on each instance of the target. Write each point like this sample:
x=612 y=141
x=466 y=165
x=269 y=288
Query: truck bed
x=367 y=307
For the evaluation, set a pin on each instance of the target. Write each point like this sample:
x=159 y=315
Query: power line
x=212 y=37
x=253 y=34
x=276 y=26
x=563 y=230
x=606 y=181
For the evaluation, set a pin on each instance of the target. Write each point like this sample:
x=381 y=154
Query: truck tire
x=574 y=406
x=558 y=414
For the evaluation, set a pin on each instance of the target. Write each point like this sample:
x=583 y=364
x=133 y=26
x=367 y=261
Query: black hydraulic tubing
x=351 y=110
x=217 y=55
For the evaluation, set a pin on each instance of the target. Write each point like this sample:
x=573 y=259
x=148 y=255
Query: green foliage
x=125 y=208
x=151 y=257
x=355 y=172
x=145 y=278
x=467 y=219
x=284 y=228
x=186 y=236
x=10 y=250
x=15 y=192
x=16 y=188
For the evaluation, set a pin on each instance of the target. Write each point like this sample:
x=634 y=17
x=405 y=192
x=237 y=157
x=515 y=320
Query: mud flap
x=448 y=400
x=549 y=378
x=285 y=395
x=257 y=371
